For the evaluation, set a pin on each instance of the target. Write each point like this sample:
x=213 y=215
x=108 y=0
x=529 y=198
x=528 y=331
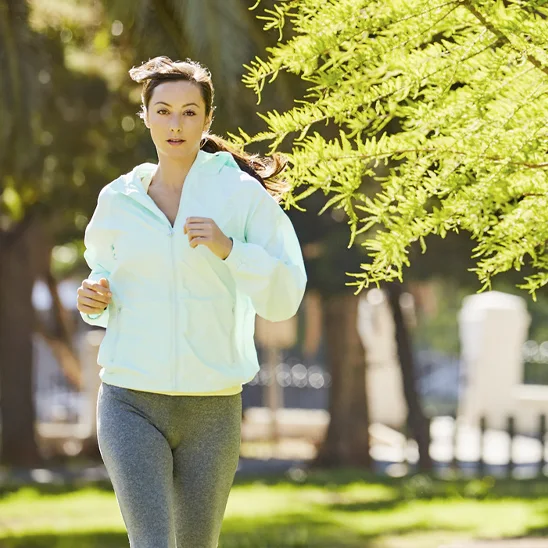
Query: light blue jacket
x=182 y=319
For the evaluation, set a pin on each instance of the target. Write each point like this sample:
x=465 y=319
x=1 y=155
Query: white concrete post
x=384 y=382
x=493 y=327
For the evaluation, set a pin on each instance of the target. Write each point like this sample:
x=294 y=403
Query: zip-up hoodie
x=181 y=319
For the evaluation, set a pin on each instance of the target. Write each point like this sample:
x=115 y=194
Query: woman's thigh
x=139 y=462
x=204 y=465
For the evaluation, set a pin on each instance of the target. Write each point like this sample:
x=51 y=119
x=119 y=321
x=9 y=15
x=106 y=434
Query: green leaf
x=11 y=199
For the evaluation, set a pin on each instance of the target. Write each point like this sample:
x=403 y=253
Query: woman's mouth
x=175 y=142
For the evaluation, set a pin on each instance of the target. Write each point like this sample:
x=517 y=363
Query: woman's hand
x=93 y=297
x=204 y=231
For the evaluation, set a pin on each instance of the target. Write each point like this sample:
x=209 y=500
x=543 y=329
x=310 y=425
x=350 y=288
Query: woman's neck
x=171 y=174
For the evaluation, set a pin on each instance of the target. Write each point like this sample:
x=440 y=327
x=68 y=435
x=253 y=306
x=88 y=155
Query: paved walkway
x=516 y=543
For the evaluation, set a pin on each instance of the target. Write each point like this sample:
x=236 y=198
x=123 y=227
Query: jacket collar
x=136 y=182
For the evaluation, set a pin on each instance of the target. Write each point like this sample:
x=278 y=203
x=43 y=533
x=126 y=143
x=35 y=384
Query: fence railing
x=535 y=363
x=481 y=450
x=304 y=387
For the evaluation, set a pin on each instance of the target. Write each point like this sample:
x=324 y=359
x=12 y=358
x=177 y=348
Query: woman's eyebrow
x=168 y=105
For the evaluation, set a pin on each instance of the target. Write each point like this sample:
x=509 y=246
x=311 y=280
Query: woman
x=183 y=254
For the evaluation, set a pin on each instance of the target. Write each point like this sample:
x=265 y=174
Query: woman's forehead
x=177 y=93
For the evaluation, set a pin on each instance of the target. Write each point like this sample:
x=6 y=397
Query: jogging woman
x=183 y=254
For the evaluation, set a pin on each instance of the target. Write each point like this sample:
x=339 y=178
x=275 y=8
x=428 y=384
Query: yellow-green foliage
x=466 y=82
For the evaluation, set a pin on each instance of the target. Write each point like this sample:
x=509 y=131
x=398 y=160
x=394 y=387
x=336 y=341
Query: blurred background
x=425 y=377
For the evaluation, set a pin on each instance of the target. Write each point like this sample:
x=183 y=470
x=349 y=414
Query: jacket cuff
x=95 y=319
x=235 y=259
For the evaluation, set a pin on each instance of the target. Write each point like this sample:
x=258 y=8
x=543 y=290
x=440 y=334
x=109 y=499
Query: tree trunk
x=416 y=419
x=17 y=411
x=347 y=439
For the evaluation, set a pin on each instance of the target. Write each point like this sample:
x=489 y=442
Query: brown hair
x=155 y=71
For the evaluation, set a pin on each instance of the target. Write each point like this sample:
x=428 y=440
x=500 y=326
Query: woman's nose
x=177 y=123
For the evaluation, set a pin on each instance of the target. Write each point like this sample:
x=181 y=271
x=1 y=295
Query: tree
x=417 y=421
x=21 y=97
x=465 y=80
x=461 y=86
x=57 y=147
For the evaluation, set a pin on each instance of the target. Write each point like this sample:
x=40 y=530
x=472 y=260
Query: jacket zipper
x=232 y=342
x=174 y=307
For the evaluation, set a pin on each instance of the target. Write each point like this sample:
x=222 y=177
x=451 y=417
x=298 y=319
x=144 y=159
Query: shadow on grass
x=411 y=487
x=285 y=532
x=366 y=506
x=55 y=488
x=300 y=531
x=538 y=532
x=71 y=540
x=289 y=532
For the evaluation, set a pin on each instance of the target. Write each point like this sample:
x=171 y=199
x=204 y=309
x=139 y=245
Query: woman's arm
x=98 y=253
x=269 y=266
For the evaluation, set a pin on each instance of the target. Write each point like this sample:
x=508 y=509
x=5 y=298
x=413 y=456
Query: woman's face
x=176 y=118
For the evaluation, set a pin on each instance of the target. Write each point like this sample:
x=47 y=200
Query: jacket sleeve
x=268 y=266
x=98 y=253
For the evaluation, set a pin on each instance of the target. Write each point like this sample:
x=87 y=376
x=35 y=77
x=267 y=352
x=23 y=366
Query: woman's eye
x=188 y=112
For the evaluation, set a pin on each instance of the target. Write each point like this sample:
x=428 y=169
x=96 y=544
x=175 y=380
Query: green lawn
x=322 y=509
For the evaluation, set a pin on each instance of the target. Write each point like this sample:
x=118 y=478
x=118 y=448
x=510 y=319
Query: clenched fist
x=93 y=297
x=204 y=231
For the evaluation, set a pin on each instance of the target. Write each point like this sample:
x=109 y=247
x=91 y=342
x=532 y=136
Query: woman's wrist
x=229 y=247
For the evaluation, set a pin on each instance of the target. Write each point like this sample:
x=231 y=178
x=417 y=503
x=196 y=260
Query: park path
x=510 y=543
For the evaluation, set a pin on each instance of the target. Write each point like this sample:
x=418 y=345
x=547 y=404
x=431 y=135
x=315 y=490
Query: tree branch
x=419 y=150
x=468 y=5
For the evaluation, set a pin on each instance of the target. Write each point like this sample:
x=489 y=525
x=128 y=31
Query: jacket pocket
x=209 y=330
x=141 y=343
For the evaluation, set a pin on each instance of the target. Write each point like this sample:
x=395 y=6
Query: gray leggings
x=172 y=461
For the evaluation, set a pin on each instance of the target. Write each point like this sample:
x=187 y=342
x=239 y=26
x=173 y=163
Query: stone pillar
x=384 y=382
x=493 y=327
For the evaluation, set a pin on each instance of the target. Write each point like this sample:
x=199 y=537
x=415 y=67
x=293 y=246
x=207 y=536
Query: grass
x=321 y=509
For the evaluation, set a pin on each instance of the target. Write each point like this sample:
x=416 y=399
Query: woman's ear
x=144 y=116
x=207 y=124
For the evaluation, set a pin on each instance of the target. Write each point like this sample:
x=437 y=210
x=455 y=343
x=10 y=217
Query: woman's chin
x=178 y=151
